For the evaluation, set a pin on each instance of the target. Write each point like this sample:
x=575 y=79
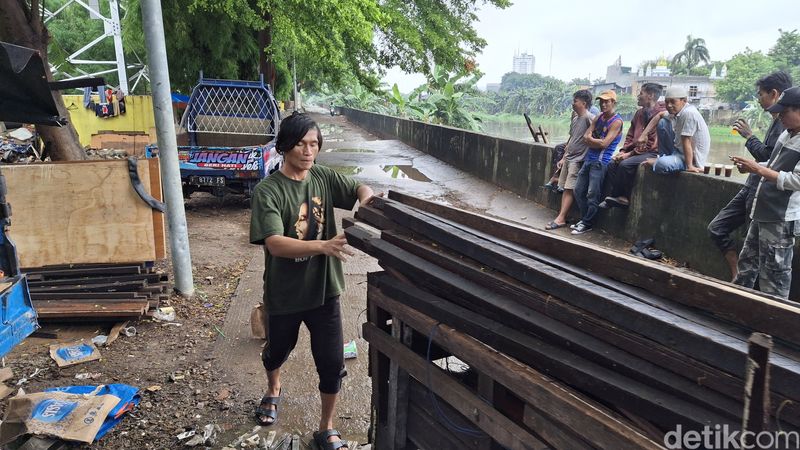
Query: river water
x=721 y=147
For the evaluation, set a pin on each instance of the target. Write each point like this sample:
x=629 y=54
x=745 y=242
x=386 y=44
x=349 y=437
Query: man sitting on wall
x=622 y=170
x=570 y=164
x=733 y=215
x=558 y=155
x=602 y=138
x=769 y=246
x=683 y=137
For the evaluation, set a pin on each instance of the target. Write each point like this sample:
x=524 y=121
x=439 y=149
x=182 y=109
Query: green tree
x=743 y=70
x=626 y=104
x=515 y=81
x=694 y=51
x=198 y=40
x=21 y=24
x=786 y=53
x=334 y=41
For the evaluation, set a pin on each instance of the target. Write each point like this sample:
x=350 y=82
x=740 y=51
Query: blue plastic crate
x=17 y=318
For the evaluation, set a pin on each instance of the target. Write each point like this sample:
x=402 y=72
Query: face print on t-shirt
x=301 y=226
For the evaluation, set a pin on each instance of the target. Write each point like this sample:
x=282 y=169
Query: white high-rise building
x=524 y=63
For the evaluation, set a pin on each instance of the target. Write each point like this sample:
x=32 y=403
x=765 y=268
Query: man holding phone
x=733 y=215
x=769 y=246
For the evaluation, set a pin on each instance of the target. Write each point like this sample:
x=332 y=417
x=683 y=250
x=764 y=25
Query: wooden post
x=530 y=127
x=486 y=390
x=379 y=372
x=398 y=392
x=756 y=388
x=543 y=134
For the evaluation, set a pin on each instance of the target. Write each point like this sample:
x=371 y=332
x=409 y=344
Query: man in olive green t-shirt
x=292 y=216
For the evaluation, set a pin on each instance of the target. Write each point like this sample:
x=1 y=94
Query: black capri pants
x=324 y=324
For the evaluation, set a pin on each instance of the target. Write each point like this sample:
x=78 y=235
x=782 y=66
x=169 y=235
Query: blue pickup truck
x=227 y=132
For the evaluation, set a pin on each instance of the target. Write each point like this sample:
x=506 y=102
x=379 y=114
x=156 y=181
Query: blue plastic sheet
x=128 y=399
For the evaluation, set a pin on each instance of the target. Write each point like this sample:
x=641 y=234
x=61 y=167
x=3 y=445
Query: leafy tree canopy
x=786 y=53
x=694 y=51
x=743 y=70
x=331 y=41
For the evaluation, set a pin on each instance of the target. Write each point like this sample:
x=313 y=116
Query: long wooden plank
x=760 y=313
x=469 y=294
x=633 y=292
x=707 y=345
x=50 y=310
x=159 y=227
x=605 y=384
x=556 y=436
x=696 y=375
x=148 y=277
x=88 y=212
x=561 y=404
x=90 y=272
x=427 y=430
x=500 y=428
x=88 y=296
x=128 y=286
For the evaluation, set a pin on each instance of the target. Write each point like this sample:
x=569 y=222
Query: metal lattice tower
x=111 y=28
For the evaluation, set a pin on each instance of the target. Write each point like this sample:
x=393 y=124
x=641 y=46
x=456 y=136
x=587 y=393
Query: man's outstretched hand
x=337 y=247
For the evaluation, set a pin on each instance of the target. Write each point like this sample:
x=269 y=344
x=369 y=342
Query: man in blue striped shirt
x=602 y=138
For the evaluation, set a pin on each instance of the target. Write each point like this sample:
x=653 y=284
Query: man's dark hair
x=292 y=131
x=584 y=95
x=779 y=80
x=653 y=89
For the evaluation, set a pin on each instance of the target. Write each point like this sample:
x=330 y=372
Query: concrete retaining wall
x=674 y=210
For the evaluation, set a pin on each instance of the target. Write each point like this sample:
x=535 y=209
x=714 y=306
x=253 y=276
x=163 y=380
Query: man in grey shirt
x=574 y=153
x=769 y=246
x=683 y=137
x=734 y=214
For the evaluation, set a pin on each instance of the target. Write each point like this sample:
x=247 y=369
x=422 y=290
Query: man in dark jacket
x=769 y=247
x=733 y=215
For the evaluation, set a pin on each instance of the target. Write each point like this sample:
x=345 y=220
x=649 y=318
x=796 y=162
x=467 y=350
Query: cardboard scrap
x=115 y=331
x=72 y=417
x=74 y=353
x=6 y=374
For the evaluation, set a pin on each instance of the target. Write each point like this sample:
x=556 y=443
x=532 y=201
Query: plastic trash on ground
x=350 y=350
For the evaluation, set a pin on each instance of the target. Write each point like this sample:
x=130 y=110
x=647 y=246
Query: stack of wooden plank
x=96 y=291
x=566 y=345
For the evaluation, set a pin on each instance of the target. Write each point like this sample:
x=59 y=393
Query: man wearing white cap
x=683 y=137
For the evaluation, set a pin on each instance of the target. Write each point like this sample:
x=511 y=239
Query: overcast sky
x=586 y=36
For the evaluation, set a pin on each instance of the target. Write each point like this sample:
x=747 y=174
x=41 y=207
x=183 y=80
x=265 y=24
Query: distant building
x=700 y=88
x=524 y=63
x=598 y=88
x=493 y=87
x=619 y=74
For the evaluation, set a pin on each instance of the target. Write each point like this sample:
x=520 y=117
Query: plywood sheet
x=84 y=212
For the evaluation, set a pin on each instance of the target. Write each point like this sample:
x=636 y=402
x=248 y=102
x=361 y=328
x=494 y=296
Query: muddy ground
x=161 y=352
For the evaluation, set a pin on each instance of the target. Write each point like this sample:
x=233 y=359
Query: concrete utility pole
x=167 y=146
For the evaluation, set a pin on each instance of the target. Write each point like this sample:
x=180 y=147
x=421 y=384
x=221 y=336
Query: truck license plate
x=207 y=181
